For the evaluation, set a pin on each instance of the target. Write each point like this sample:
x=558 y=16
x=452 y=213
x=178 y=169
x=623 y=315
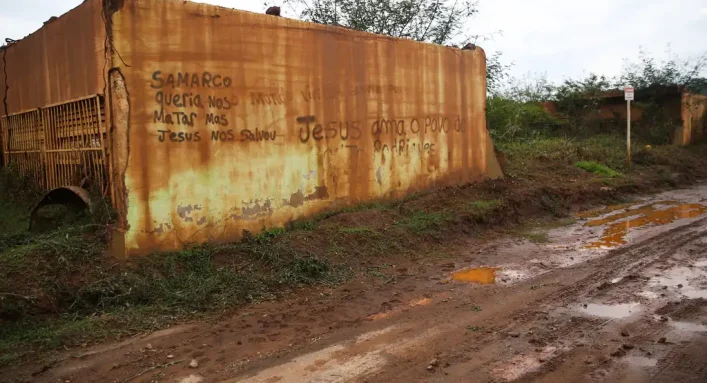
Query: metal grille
x=60 y=144
x=23 y=139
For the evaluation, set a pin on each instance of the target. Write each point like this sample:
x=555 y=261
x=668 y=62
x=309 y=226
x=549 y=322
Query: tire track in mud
x=625 y=261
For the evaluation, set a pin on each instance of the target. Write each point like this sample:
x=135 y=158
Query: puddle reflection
x=615 y=234
x=617 y=311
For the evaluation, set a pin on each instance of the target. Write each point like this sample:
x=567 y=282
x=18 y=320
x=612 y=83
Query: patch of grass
x=476 y=308
x=421 y=222
x=66 y=268
x=358 y=230
x=268 y=235
x=474 y=328
x=525 y=157
x=597 y=168
x=483 y=206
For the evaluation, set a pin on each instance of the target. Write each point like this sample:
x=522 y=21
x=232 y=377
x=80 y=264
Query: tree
x=496 y=73
x=433 y=21
x=647 y=73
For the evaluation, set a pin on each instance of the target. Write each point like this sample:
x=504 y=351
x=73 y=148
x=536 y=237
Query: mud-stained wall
x=61 y=61
x=240 y=121
x=694 y=119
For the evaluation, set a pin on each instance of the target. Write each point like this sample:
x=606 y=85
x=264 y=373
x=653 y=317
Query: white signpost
x=628 y=95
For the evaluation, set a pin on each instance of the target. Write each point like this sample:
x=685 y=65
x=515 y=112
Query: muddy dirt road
x=618 y=296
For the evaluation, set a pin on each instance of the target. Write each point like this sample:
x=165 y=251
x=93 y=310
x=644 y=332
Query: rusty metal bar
x=59 y=144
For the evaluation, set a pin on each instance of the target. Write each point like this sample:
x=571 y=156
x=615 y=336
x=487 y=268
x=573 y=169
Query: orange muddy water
x=658 y=213
x=483 y=275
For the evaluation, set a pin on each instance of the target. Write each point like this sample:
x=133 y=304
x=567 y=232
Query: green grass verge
x=597 y=168
x=423 y=222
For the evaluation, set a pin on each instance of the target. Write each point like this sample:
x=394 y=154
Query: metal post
x=628 y=132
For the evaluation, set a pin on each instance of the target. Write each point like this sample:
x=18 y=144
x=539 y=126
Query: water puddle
x=641 y=361
x=690 y=327
x=483 y=275
x=620 y=224
x=689 y=282
x=617 y=311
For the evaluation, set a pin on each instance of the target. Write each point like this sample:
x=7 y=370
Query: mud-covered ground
x=620 y=295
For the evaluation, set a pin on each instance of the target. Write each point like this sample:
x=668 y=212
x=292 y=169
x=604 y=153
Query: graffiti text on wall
x=185 y=102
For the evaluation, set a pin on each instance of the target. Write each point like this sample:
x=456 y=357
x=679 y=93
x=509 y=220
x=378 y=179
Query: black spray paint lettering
x=179 y=100
x=257 y=135
x=260 y=98
x=164 y=135
x=214 y=119
x=186 y=80
x=309 y=94
x=221 y=102
x=331 y=130
x=174 y=118
x=223 y=135
x=384 y=126
x=403 y=146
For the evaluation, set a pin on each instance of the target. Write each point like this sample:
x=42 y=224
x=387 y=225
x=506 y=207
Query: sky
x=558 y=38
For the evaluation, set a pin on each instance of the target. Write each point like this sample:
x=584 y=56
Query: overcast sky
x=562 y=38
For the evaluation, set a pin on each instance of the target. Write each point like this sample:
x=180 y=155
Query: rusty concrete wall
x=616 y=110
x=61 y=61
x=240 y=121
x=694 y=119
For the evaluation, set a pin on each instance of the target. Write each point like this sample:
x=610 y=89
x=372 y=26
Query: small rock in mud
x=624 y=333
x=618 y=353
x=662 y=340
x=603 y=286
x=149 y=346
x=627 y=346
x=665 y=287
x=680 y=285
x=434 y=362
x=514 y=334
x=193 y=363
x=430 y=368
x=170 y=356
x=541 y=360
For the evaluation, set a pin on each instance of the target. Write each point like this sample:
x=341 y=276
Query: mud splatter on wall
x=240 y=121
